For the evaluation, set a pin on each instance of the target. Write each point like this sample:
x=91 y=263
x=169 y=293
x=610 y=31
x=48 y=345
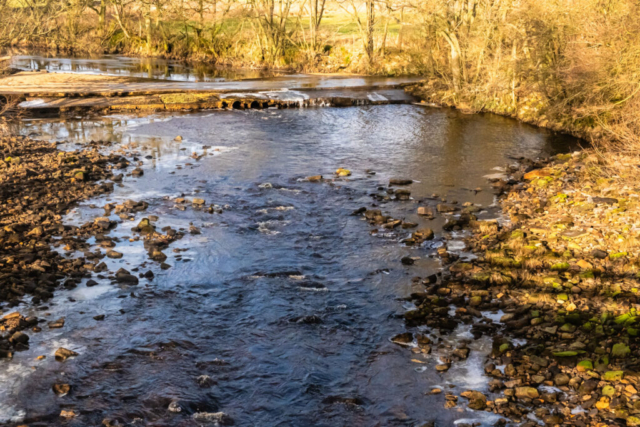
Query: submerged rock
x=219 y=418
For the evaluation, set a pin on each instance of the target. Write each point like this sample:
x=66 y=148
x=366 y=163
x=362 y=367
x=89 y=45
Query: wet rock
x=61 y=389
x=343 y=172
x=114 y=254
x=308 y=320
x=461 y=353
x=63 y=354
x=205 y=381
x=99 y=317
x=403 y=194
x=400 y=181
x=137 y=172
x=426 y=212
x=124 y=276
x=56 y=323
x=446 y=208
x=219 y=418
x=477 y=400
x=174 y=407
x=407 y=261
x=67 y=413
x=91 y=283
x=405 y=339
x=19 y=338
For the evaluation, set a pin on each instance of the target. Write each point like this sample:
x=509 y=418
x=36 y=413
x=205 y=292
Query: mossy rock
x=618 y=255
x=505 y=262
x=568 y=328
x=585 y=365
x=620 y=351
x=608 y=391
x=475 y=301
x=626 y=318
x=633 y=421
x=568 y=353
x=588 y=274
x=613 y=376
x=573 y=318
x=560 y=266
x=517 y=234
x=185 y=98
x=481 y=277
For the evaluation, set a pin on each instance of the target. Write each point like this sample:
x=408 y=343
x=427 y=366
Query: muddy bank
x=554 y=286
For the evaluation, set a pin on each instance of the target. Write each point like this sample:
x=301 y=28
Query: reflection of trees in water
x=153 y=68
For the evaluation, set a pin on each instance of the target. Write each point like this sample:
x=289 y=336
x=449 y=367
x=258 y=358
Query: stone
x=205 y=381
x=527 y=392
x=219 y=418
x=63 y=354
x=477 y=400
x=61 y=389
x=400 y=181
x=343 y=172
x=426 y=211
x=19 y=338
x=314 y=178
x=446 y=208
x=198 y=202
x=67 y=414
x=114 y=254
x=536 y=173
x=407 y=261
x=56 y=323
x=461 y=353
x=620 y=351
x=613 y=376
x=123 y=276
x=405 y=338
x=178 y=138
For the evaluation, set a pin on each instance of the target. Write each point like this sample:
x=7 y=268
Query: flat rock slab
x=38 y=84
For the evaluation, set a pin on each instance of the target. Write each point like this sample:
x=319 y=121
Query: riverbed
x=285 y=300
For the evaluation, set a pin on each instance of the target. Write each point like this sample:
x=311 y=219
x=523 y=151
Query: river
x=285 y=300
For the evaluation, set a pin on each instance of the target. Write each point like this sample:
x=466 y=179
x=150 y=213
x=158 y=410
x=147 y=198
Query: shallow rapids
x=284 y=300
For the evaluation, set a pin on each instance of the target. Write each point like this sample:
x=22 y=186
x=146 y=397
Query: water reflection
x=152 y=68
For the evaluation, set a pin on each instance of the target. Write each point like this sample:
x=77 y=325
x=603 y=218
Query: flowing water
x=285 y=300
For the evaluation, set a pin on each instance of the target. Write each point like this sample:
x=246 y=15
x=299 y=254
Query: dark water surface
x=231 y=307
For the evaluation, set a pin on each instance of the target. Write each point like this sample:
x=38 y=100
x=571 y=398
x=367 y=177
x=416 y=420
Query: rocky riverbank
x=561 y=269
x=39 y=254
